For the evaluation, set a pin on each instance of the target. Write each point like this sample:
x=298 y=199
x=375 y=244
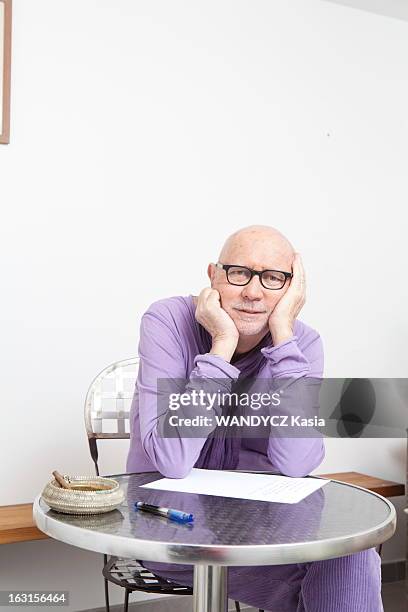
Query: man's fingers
x=213 y=298
x=205 y=293
x=209 y=295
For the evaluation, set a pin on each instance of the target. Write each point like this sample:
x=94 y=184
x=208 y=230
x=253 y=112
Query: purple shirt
x=174 y=345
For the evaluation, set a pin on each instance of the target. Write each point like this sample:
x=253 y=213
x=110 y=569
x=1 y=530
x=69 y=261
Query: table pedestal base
x=210 y=588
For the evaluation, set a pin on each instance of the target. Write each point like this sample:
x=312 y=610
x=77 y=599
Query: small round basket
x=107 y=497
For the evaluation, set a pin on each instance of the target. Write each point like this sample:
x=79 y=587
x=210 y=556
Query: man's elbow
x=294 y=471
x=170 y=468
x=167 y=462
x=301 y=467
x=174 y=471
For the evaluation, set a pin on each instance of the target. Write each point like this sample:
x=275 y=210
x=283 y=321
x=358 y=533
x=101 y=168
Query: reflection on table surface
x=333 y=511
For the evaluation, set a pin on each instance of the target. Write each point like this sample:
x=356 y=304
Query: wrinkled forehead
x=258 y=251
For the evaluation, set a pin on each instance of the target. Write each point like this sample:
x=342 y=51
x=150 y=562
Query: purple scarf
x=219 y=451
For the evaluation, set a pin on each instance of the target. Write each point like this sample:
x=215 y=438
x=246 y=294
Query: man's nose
x=253 y=290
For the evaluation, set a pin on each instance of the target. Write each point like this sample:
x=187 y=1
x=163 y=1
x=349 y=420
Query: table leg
x=210 y=588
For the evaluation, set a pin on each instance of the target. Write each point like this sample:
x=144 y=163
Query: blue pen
x=174 y=515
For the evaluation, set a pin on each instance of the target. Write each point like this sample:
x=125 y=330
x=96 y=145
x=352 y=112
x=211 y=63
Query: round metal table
x=336 y=520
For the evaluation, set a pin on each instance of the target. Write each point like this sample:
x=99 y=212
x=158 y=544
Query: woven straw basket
x=84 y=502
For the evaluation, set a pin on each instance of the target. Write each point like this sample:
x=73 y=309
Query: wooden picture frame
x=5 y=66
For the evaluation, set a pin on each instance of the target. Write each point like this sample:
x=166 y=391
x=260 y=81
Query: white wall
x=145 y=132
x=390 y=8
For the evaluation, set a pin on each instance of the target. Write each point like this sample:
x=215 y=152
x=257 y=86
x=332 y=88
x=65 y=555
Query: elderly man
x=245 y=325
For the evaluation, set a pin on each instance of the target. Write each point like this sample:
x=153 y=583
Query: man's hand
x=283 y=316
x=217 y=322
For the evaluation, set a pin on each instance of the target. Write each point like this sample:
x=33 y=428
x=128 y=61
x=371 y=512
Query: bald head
x=263 y=243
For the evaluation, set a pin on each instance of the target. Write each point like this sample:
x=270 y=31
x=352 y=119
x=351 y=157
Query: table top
x=336 y=520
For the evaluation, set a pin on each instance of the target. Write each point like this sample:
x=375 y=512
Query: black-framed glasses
x=240 y=275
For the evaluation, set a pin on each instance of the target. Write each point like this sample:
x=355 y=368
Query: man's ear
x=211 y=272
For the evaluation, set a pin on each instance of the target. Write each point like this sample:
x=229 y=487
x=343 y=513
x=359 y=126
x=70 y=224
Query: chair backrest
x=107 y=404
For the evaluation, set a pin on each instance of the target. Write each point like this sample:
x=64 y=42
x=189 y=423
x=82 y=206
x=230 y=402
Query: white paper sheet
x=261 y=487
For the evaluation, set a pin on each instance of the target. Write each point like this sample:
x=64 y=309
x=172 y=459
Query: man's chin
x=251 y=328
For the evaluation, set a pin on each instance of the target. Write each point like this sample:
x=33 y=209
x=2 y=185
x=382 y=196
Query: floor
x=395 y=596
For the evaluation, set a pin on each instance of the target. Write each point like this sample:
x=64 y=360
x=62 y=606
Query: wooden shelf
x=386 y=488
x=17 y=524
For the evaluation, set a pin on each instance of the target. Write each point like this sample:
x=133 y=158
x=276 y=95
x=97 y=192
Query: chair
x=107 y=403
